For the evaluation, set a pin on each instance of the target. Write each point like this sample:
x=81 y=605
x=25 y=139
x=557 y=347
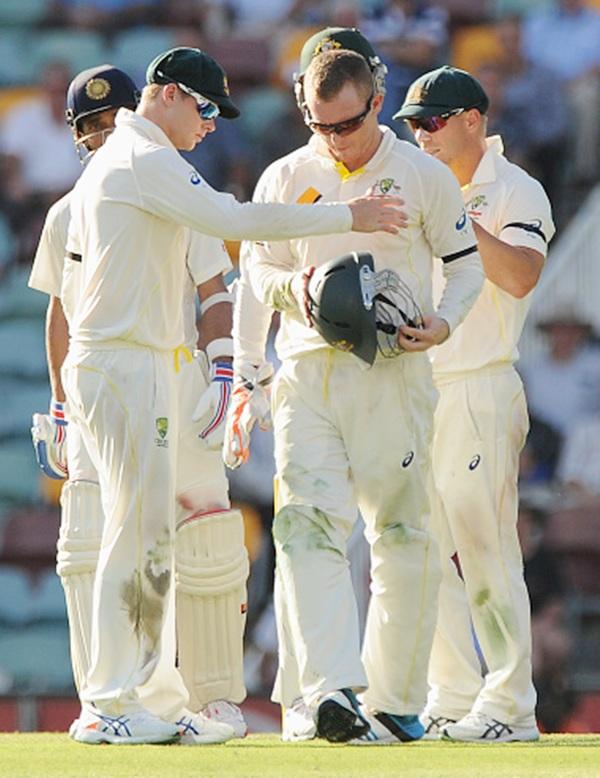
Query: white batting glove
x=212 y=406
x=49 y=435
x=250 y=405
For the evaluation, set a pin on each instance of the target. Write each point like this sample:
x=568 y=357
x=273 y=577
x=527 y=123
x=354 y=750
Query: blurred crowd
x=539 y=62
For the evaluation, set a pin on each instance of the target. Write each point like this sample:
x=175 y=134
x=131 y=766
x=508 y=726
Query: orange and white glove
x=250 y=404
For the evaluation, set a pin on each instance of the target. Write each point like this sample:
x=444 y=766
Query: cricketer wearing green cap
x=330 y=39
x=443 y=91
x=195 y=70
x=329 y=454
x=476 y=450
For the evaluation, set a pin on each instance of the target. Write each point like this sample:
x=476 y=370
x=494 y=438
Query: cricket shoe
x=339 y=718
x=227 y=713
x=434 y=724
x=94 y=727
x=389 y=728
x=479 y=728
x=298 y=723
x=197 y=729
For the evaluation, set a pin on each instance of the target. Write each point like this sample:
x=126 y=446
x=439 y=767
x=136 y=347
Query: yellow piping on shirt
x=344 y=173
x=181 y=352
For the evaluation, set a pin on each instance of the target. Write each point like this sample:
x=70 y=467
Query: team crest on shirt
x=162 y=427
x=386 y=185
x=475 y=205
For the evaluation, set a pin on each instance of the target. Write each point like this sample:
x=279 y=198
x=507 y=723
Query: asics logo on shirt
x=462 y=221
x=474 y=463
x=408 y=459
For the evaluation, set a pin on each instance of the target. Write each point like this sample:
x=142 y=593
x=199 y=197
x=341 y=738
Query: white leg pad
x=210 y=572
x=77 y=558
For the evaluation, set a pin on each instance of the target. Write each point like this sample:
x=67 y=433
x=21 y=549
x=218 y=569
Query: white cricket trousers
x=124 y=402
x=348 y=436
x=480 y=427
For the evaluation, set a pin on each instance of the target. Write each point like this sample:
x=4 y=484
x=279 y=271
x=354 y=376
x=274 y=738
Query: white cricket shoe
x=479 y=728
x=298 y=723
x=434 y=724
x=94 y=727
x=197 y=729
x=339 y=718
x=227 y=713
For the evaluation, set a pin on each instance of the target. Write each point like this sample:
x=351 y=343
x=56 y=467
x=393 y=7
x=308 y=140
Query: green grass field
x=265 y=756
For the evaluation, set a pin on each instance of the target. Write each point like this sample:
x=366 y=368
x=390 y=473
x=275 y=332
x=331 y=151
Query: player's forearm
x=57 y=345
x=515 y=269
x=464 y=280
x=274 y=286
x=251 y=322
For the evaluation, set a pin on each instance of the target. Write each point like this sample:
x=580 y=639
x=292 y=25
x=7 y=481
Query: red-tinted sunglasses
x=432 y=123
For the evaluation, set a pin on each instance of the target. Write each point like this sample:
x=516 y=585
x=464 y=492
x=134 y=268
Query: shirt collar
x=143 y=126
x=485 y=173
x=318 y=147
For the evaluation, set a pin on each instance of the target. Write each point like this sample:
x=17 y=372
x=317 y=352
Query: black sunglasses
x=339 y=128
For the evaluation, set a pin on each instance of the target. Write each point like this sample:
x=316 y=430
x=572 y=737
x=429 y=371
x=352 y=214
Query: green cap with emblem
x=196 y=70
x=440 y=91
x=337 y=38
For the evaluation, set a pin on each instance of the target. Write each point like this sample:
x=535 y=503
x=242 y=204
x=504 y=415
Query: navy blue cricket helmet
x=98 y=89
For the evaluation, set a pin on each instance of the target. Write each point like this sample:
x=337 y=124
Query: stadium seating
x=16 y=602
x=21 y=12
x=79 y=49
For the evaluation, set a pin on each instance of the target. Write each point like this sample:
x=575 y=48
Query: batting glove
x=49 y=435
x=250 y=405
x=212 y=406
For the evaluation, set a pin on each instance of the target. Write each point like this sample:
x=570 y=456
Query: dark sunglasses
x=339 y=128
x=432 y=123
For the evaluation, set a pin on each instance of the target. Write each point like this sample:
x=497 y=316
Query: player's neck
x=464 y=165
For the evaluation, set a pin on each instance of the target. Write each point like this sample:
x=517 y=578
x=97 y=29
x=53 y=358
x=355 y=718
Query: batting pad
x=210 y=572
x=78 y=549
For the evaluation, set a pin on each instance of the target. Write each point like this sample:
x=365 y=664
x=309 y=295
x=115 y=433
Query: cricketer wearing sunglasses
x=480 y=426
x=131 y=215
x=347 y=436
x=214 y=678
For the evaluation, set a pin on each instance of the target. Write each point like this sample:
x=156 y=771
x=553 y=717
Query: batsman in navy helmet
x=93 y=99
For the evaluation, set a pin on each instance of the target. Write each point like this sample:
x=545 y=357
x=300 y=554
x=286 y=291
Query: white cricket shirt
x=47 y=270
x=512 y=206
x=128 y=214
x=437 y=226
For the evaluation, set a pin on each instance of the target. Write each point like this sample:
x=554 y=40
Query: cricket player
x=93 y=99
x=480 y=427
x=129 y=217
x=347 y=436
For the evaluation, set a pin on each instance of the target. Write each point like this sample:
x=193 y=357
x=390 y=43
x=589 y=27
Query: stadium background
x=43 y=43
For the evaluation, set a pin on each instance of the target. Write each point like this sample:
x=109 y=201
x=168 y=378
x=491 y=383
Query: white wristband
x=220 y=347
x=215 y=299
